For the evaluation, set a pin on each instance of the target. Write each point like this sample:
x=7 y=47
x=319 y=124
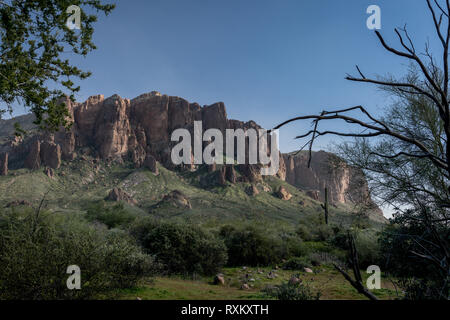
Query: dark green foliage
x=35 y=251
x=297 y=263
x=112 y=217
x=420 y=278
x=312 y=228
x=249 y=246
x=325 y=258
x=34 y=39
x=291 y=291
x=420 y=289
x=368 y=249
x=183 y=249
x=304 y=232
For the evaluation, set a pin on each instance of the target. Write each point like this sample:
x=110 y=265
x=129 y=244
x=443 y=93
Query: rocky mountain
x=116 y=130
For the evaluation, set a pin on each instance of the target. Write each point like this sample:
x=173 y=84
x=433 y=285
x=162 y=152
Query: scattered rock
x=219 y=279
x=16 y=203
x=313 y=194
x=252 y=190
x=294 y=280
x=283 y=194
x=49 y=172
x=250 y=172
x=176 y=198
x=245 y=287
x=218 y=177
x=150 y=163
x=118 y=194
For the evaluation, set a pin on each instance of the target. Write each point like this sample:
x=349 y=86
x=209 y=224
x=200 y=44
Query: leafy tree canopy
x=34 y=40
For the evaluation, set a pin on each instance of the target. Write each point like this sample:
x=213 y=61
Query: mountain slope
x=124 y=144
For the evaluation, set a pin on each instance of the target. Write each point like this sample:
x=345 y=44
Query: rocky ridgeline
x=118 y=129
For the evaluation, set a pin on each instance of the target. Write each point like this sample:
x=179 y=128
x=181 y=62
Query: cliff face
x=139 y=129
x=345 y=184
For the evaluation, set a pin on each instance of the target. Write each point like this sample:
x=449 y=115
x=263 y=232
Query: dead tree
x=433 y=89
x=430 y=84
x=358 y=282
x=325 y=206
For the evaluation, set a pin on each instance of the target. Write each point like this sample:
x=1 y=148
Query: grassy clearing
x=325 y=279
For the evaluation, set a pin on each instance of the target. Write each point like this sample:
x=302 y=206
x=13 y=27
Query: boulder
x=118 y=194
x=313 y=194
x=150 y=163
x=245 y=287
x=177 y=199
x=252 y=190
x=283 y=194
x=16 y=203
x=219 y=279
x=49 y=173
x=294 y=280
x=250 y=173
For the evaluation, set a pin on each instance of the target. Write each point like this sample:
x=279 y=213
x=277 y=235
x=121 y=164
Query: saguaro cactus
x=325 y=206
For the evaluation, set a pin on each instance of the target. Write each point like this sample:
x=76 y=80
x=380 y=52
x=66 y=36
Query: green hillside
x=85 y=181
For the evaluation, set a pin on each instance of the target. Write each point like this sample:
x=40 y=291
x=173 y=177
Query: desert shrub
x=420 y=279
x=316 y=246
x=313 y=228
x=291 y=291
x=250 y=246
x=368 y=249
x=323 y=233
x=290 y=247
x=296 y=263
x=324 y=258
x=112 y=217
x=35 y=251
x=304 y=232
x=420 y=289
x=183 y=249
x=340 y=240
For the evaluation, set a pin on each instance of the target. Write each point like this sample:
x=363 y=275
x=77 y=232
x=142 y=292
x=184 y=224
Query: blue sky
x=267 y=60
